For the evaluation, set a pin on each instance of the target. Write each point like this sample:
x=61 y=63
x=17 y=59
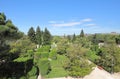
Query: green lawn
x=57 y=67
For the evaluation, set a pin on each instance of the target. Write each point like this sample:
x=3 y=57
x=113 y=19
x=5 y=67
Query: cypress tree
x=31 y=34
x=46 y=37
x=74 y=37
x=38 y=36
x=82 y=33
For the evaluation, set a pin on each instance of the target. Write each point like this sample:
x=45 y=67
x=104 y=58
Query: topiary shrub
x=53 y=54
x=44 y=66
x=32 y=72
x=44 y=49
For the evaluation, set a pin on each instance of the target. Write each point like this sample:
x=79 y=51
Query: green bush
x=32 y=72
x=53 y=54
x=44 y=54
x=57 y=69
x=91 y=55
x=44 y=66
x=33 y=77
x=23 y=77
x=44 y=49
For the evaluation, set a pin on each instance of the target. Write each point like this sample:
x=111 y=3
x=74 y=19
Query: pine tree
x=2 y=19
x=46 y=37
x=38 y=36
x=82 y=33
x=74 y=37
x=31 y=34
x=69 y=38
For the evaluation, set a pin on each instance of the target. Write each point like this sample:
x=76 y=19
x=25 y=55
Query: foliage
x=22 y=59
x=57 y=67
x=44 y=66
x=21 y=46
x=92 y=56
x=53 y=54
x=69 y=38
x=82 y=33
x=84 y=42
x=79 y=68
x=117 y=39
x=41 y=60
x=2 y=18
x=74 y=37
x=38 y=36
x=45 y=48
x=109 y=58
x=47 y=37
x=62 y=46
x=75 y=51
x=32 y=73
x=31 y=34
x=78 y=65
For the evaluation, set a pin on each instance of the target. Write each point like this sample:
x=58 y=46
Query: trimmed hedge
x=44 y=66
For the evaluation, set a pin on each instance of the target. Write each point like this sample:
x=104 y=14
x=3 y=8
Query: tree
x=117 y=40
x=78 y=66
x=109 y=58
x=69 y=38
x=22 y=45
x=38 y=36
x=31 y=34
x=82 y=33
x=6 y=36
x=74 y=37
x=46 y=37
x=2 y=18
x=9 y=34
x=62 y=44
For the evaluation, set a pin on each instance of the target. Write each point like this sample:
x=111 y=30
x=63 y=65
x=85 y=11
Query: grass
x=57 y=67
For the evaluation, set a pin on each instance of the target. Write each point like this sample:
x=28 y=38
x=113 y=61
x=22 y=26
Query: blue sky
x=64 y=16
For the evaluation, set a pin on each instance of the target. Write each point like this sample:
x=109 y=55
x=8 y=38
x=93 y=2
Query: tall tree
x=82 y=33
x=46 y=37
x=74 y=37
x=78 y=65
x=2 y=18
x=69 y=38
x=31 y=34
x=7 y=33
x=38 y=36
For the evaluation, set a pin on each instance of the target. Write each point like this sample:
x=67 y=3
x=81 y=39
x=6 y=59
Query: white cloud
x=52 y=22
x=87 y=20
x=63 y=24
x=66 y=24
x=90 y=24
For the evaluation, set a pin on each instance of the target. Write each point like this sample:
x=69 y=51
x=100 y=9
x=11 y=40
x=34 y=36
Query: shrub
x=44 y=54
x=53 y=54
x=32 y=72
x=44 y=49
x=91 y=55
x=44 y=66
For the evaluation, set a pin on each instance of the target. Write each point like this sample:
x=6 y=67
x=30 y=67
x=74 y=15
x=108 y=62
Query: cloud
x=66 y=24
x=87 y=20
x=52 y=22
x=63 y=24
x=90 y=24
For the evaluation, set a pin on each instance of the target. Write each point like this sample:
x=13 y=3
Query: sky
x=64 y=16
